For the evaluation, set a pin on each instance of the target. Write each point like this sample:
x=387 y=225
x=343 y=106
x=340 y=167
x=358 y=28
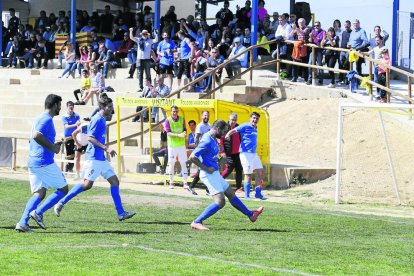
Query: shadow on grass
x=262 y=230
x=118 y=232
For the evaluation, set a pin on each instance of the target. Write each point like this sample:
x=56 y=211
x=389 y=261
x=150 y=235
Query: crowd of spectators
x=186 y=47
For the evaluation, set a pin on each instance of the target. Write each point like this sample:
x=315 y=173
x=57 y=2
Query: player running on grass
x=248 y=157
x=43 y=171
x=96 y=164
x=205 y=157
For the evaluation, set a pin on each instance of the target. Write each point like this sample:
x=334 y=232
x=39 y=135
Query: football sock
x=30 y=206
x=238 y=204
x=117 y=200
x=258 y=192
x=208 y=212
x=246 y=190
x=50 y=202
x=77 y=189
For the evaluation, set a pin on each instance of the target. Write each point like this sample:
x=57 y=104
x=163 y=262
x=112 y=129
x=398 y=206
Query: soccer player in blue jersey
x=205 y=157
x=43 y=171
x=248 y=156
x=96 y=163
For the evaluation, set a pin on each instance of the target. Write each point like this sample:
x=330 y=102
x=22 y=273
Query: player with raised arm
x=96 y=163
x=43 y=171
x=248 y=156
x=205 y=157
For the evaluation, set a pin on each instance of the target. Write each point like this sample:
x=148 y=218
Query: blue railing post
x=254 y=26
x=73 y=22
x=395 y=9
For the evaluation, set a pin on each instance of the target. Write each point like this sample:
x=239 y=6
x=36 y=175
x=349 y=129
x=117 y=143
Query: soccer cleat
x=58 y=208
x=239 y=191
x=126 y=215
x=198 y=226
x=185 y=186
x=258 y=193
x=38 y=219
x=247 y=191
x=256 y=214
x=23 y=228
x=192 y=191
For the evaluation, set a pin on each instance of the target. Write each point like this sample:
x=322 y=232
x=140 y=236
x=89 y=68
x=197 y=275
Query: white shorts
x=250 y=162
x=92 y=169
x=214 y=182
x=49 y=176
x=181 y=152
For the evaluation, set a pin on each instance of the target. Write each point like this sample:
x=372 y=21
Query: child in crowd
x=382 y=73
x=85 y=85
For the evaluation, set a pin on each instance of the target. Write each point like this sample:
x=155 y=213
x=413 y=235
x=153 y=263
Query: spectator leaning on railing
x=315 y=37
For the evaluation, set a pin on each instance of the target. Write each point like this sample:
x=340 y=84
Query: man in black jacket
x=230 y=151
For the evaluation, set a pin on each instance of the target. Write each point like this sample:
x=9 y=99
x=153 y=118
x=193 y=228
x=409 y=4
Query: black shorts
x=166 y=69
x=81 y=149
x=70 y=147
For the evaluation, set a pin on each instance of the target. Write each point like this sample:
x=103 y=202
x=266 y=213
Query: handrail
x=250 y=49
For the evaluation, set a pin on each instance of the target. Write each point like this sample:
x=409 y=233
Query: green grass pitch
x=286 y=240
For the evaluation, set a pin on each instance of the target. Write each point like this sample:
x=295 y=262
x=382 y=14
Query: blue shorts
x=214 y=182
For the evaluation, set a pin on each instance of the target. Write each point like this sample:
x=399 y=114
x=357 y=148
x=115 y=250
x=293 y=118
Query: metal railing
x=277 y=62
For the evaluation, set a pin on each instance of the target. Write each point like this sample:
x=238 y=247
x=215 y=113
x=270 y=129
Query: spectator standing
x=143 y=62
x=165 y=51
x=42 y=21
x=225 y=14
x=378 y=32
x=343 y=61
x=331 y=40
x=315 y=37
x=243 y=21
x=358 y=41
x=14 y=22
x=106 y=21
x=186 y=48
x=275 y=22
x=301 y=35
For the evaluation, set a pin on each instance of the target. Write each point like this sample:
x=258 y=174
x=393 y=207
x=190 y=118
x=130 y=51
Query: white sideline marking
x=358 y=215
x=124 y=245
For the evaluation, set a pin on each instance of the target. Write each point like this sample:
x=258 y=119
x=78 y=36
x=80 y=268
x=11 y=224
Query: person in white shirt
x=144 y=43
x=241 y=61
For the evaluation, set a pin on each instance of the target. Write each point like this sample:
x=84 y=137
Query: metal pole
x=14 y=153
x=339 y=157
x=370 y=78
x=409 y=95
x=395 y=10
x=278 y=60
x=313 y=69
x=118 y=135
x=251 y=52
x=157 y=10
x=254 y=26
x=390 y=159
x=388 y=85
x=1 y=34
x=73 y=22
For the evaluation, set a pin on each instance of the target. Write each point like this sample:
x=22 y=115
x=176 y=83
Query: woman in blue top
x=205 y=157
x=186 y=50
